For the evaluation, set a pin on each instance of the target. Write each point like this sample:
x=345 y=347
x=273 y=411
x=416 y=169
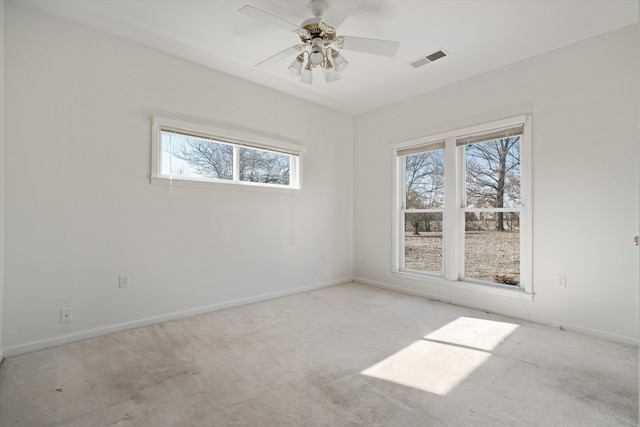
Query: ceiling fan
x=320 y=45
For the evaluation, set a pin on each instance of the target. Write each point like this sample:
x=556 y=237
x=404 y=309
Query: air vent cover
x=426 y=59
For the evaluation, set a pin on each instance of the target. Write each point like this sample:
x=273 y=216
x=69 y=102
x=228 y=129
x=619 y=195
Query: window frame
x=237 y=138
x=454 y=209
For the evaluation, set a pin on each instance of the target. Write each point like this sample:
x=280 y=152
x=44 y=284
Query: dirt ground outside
x=487 y=254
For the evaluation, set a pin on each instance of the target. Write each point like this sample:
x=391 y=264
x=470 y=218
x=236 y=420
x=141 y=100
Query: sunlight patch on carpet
x=440 y=361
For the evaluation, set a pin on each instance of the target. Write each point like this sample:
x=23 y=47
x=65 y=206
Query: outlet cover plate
x=123 y=281
x=561 y=280
x=65 y=315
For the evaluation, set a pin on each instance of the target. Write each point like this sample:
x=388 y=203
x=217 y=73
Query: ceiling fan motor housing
x=315 y=30
x=318 y=7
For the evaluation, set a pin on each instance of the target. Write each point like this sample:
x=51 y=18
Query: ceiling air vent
x=428 y=58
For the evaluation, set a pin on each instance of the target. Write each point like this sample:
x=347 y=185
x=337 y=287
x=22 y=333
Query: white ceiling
x=479 y=35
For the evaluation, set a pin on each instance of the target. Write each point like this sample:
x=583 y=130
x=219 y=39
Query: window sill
x=230 y=185
x=497 y=289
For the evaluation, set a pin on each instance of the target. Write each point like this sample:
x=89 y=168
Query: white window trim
x=452 y=255
x=237 y=137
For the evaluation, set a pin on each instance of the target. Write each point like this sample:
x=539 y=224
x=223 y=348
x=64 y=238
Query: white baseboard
x=396 y=288
x=595 y=333
x=91 y=333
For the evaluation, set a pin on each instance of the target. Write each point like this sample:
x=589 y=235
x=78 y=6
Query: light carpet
x=348 y=355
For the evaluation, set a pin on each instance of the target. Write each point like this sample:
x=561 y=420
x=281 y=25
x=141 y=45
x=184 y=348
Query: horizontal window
x=195 y=155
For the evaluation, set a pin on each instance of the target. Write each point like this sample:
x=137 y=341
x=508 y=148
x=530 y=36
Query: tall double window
x=462 y=205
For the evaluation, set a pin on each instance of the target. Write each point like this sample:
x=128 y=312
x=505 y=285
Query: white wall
x=80 y=209
x=584 y=102
x=1 y=172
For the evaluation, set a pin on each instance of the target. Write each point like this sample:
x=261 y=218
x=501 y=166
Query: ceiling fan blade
x=267 y=17
x=289 y=52
x=373 y=46
x=339 y=11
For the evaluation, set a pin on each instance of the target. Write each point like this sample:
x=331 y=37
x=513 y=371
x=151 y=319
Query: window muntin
x=486 y=227
x=183 y=154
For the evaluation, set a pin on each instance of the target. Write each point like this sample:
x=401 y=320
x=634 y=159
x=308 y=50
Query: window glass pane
x=424 y=180
x=493 y=173
x=194 y=157
x=492 y=255
x=264 y=166
x=423 y=242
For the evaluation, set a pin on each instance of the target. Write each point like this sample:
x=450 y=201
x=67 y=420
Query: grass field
x=487 y=254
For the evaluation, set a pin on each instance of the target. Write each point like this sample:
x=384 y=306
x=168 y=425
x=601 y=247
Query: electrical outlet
x=65 y=315
x=561 y=280
x=123 y=281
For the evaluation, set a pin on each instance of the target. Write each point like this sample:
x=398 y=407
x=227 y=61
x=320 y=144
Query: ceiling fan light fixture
x=316 y=57
x=332 y=76
x=307 y=77
x=339 y=62
x=296 y=66
x=330 y=73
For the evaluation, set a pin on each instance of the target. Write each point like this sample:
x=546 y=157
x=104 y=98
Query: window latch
x=636 y=241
